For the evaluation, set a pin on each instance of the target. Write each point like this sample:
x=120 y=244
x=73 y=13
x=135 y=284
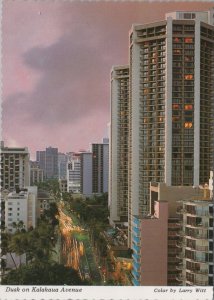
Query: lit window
x=188 y=124
x=188 y=107
x=175 y=106
x=177 y=40
x=188 y=77
x=188 y=40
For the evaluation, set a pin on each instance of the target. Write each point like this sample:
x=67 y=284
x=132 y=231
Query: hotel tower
x=171 y=105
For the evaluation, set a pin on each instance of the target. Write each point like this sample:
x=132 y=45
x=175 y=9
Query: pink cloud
x=57 y=58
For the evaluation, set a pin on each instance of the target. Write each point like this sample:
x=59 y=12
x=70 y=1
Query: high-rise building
x=100 y=166
x=171 y=104
x=73 y=173
x=15 y=167
x=36 y=174
x=40 y=158
x=86 y=173
x=51 y=163
x=62 y=165
x=118 y=145
x=48 y=161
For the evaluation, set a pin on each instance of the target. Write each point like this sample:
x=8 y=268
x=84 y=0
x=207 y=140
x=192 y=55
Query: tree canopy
x=46 y=274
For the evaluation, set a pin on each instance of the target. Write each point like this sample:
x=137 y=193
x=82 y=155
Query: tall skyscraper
x=62 y=165
x=48 y=161
x=15 y=167
x=118 y=154
x=86 y=173
x=51 y=163
x=171 y=104
x=100 y=166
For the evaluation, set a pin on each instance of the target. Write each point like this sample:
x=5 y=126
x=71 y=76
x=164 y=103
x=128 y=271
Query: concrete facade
x=15 y=167
x=118 y=154
x=21 y=206
x=150 y=246
x=171 y=105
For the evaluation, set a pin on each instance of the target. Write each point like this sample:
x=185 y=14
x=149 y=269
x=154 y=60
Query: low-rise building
x=150 y=246
x=21 y=206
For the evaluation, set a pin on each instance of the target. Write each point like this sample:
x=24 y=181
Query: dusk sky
x=57 y=58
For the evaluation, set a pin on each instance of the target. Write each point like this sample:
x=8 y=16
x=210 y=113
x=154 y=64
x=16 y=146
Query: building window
x=188 y=124
x=188 y=107
x=188 y=40
x=188 y=77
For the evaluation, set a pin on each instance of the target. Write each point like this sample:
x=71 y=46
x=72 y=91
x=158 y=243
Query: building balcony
x=180 y=233
x=135 y=274
x=197 y=282
x=136 y=248
x=179 y=277
x=180 y=255
x=201 y=272
x=181 y=210
x=135 y=282
x=136 y=266
x=136 y=257
x=136 y=239
x=200 y=225
x=198 y=248
x=180 y=244
x=197 y=236
x=198 y=260
x=202 y=248
x=136 y=230
x=180 y=266
x=199 y=213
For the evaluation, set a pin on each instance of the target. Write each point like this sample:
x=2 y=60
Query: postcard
x=107 y=150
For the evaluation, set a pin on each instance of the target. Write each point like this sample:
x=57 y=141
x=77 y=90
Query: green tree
x=49 y=274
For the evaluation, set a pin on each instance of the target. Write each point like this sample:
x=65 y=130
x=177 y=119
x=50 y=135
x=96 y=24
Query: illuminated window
x=177 y=40
x=146 y=91
x=188 y=124
x=188 y=77
x=145 y=120
x=175 y=106
x=188 y=40
x=188 y=107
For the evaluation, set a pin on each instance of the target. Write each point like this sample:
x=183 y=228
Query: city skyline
x=52 y=72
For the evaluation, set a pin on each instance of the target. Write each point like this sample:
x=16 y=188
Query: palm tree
x=5 y=240
x=16 y=245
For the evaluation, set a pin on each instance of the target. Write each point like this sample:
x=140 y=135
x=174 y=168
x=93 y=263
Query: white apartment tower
x=73 y=174
x=118 y=154
x=171 y=104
